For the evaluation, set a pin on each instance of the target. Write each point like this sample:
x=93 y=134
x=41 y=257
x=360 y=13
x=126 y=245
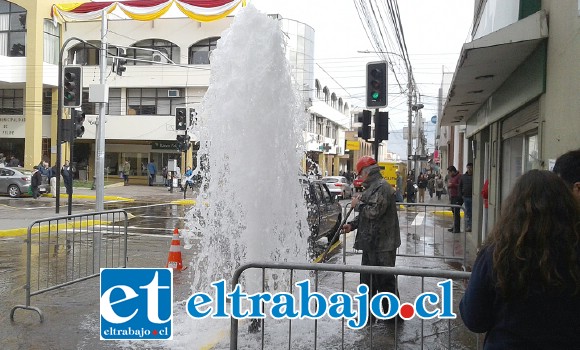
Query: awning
x=486 y=63
x=147 y=10
x=324 y=110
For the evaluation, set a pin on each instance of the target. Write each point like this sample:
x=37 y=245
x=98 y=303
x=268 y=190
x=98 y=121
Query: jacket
x=377 y=222
x=466 y=185
x=542 y=320
x=453 y=185
x=36 y=179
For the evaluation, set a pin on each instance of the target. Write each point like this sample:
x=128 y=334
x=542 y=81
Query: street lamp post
x=416 y=108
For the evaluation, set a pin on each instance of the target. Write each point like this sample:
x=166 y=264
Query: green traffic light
x=375 y=95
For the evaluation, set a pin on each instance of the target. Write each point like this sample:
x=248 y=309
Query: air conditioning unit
x=157 y=57
x=172 y=93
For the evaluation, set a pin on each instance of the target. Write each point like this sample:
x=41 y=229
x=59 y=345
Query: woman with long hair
x=524 y=289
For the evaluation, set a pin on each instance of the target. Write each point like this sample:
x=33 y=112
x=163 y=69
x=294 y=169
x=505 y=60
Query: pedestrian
x=567 y=166
x=188 y=179
x=164 y=174
x=2 y=160
x=377 y=225
x=53 y=175
x=399 y=187
x=126 y=172
x=454 y=197
x=152 y=169
x=410 y=189
x=35 y=182
x=422 y=184
x=524 y=290
x=431 y=185
x=466 y=191
x=67 y=176
x=439 y=186
x=14 y=162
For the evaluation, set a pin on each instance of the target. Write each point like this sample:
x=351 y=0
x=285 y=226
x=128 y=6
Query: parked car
x=338 y=186
x=324 y=212
x=16 y=181
x=357 y=183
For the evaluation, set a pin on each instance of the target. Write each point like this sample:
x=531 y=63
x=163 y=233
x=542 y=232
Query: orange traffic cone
x=174 y=259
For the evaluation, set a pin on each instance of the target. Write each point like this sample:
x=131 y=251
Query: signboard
x=352 y=145
x=170 y=145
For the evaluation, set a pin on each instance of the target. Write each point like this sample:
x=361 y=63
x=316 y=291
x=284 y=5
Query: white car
x=338 y=186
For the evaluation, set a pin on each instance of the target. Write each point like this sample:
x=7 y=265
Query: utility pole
x=100 y=137
x=409 y=119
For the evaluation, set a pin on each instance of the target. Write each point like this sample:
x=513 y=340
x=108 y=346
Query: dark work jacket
x=377 y=222
x=542 y=320
x=36 y=179
x=466 y=185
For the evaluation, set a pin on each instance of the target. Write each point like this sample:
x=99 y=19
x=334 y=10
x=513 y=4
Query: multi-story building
x=168 y=67
x=513 y=102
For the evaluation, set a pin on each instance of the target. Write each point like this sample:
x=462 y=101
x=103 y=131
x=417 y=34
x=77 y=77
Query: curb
x=45 y=228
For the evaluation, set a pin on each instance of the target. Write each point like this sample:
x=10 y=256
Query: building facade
x=513 y=101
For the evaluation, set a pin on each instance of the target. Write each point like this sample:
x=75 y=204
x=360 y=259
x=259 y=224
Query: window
x=12 y=102
x=326 y=93
x=317 y=86
x=200 y=52
x=113 y=107
x=152 y=101
x=333 y=100
x=89 y=55
x=51 y=41
x=46 y=101
x=12 y=30
x=167 y=48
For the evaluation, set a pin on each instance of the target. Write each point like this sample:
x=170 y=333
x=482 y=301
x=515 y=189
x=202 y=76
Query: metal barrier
x=69 y=249
x=462 y=338
x=431 y=238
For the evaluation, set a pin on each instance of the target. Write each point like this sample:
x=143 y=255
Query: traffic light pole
x=376 y=142
x=185 y=166
x=71 y=146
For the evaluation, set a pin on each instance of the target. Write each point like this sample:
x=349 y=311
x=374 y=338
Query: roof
x=324 y=110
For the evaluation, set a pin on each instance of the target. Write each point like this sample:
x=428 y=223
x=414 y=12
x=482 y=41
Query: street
x=72 y=312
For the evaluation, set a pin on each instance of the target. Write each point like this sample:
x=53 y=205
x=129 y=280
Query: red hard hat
x=364 y=162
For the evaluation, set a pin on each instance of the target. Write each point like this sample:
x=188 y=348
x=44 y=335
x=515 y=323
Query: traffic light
x=376 y=84
x=364 y=131
x=180 y=119
x=382 y=126
x=183 y=143
x=120 y=61
x=72 y=86
x=192 y=116
x=78 y=120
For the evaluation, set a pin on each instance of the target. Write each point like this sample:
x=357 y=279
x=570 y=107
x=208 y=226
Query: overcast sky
x=434 y=32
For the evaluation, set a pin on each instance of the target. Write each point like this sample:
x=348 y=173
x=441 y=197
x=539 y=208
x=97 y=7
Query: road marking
x=419 y=219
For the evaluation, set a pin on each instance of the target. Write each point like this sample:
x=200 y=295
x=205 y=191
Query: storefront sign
x=169 y=145
x=352 y=145
x=12 y=126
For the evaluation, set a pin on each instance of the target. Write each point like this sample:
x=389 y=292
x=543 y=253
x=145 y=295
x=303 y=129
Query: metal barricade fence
x=425 y=227
x=67 y=249
x=452 y=332
x=424 y=233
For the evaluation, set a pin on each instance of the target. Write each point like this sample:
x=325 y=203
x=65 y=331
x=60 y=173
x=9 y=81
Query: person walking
x=35 y=182
x=67 y=176
x=454 y=197
x=431 y=185
x=377 y=224
x=524 y=290
x=410 y=189
x=399 y=187
x=53 y=174
x=439 y=186
x=422 y=184
x=466 y=191
x=152 y=170
x=126 y=172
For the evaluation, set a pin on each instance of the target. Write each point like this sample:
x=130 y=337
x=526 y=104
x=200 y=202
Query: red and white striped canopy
x=147 y=10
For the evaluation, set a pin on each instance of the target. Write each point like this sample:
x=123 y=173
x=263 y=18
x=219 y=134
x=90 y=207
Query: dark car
x=16 y=181
x=324 y=212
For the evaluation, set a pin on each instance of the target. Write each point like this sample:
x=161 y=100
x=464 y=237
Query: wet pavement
x=72 y=313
